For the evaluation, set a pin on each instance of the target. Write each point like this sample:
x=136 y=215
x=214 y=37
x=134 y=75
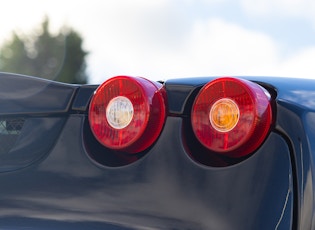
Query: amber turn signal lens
x=224 y=115
x=231 y=116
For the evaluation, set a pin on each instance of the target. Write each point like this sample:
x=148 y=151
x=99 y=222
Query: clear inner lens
x=119 y=112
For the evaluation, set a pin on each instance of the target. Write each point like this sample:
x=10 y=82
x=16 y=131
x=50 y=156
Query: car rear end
x=95 y=157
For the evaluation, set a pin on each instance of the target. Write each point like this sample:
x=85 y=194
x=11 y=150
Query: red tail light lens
x=231 y=116
x=127 y=113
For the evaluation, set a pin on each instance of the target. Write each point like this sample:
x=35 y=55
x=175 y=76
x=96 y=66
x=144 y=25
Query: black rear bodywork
x=55 y=175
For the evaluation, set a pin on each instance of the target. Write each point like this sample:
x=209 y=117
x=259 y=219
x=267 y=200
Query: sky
x=164 y=39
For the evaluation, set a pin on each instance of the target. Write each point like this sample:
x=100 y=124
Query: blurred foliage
x=56 y=57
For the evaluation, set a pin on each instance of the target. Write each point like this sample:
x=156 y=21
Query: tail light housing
x=231 y=116
x=127 y=113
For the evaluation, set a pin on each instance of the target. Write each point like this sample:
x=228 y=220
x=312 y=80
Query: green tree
x=57 y=57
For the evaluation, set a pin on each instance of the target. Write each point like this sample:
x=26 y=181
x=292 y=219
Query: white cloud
x=157 y=39
x=300 y=64
x=219 y=46
x=207 y=2
x=214 y=47
x=280 y=8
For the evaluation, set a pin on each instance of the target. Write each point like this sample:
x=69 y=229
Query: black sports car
x=198 y=153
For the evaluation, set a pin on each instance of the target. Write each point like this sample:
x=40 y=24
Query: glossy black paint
x=66 y=187
x=21 y=95
x=43 y=105
x=165 y=189
x=35 y=141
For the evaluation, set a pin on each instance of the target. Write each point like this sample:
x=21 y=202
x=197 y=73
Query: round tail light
x=127 y=113
x=231 y=116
